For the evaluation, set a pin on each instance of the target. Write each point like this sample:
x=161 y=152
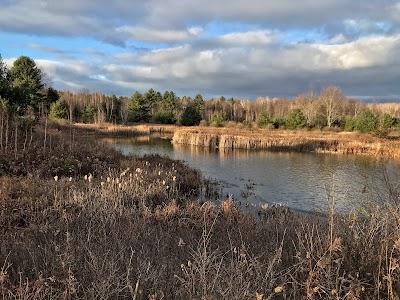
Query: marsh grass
x=114 y=227
x=290 y=140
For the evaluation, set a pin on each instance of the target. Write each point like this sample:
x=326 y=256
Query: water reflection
x=303 y=181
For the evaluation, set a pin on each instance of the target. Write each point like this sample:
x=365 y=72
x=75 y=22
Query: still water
x=302 y=181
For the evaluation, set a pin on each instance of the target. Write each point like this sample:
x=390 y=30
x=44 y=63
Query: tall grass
x=299 y=141
x=83 y=222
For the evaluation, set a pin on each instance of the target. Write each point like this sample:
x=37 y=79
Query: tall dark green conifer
x=26 y=82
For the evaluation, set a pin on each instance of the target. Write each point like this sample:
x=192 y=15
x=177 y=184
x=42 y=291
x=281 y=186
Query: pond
x=302 y=181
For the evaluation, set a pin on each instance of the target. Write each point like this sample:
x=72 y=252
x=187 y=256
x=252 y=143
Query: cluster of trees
x=152 y=106
x=331 y=108
x=24 y=98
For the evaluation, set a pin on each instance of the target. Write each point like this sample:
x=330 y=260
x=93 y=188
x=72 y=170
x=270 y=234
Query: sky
x=240 y=48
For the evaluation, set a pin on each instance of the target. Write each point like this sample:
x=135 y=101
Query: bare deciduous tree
x=332 y=99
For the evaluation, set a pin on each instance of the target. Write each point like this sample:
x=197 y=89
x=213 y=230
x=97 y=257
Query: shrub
x=203 y=123
x=88 y=113
x=387 y=121
x=164 y=117
x=296 y=119
x=278 y=122
x=263 y=120
x=350 y=124
x=218 y=119
x=59 y=110
x=366 y=122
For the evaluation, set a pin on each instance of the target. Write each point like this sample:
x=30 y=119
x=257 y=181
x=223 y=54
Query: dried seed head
x=181 y=242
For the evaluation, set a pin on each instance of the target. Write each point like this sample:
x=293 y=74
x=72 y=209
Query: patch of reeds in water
x=300 y=141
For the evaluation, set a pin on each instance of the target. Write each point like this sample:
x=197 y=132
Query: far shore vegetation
x=78 y=220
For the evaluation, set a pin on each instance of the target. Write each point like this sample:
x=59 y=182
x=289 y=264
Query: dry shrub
x=203 y=123
x=231 y=124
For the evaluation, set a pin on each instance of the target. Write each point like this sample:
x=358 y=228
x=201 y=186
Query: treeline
x=331 y=108
x=24 y=92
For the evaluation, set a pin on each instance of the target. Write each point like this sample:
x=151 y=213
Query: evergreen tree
x=26 y=82
x=59 y=110
x=169 y=101
x=296 y=119
x=138 y=110
x=190 y=116
x=199 y=104
x=366 y=122
x=4 y=86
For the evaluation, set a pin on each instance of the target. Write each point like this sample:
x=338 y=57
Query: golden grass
x=135 y=129
x=288 y=140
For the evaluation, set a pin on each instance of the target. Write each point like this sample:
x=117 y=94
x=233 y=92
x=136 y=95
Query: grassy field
x=80 y=221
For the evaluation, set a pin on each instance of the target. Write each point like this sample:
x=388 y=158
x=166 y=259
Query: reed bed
x=115 y=227
x=133 y=129
x=299 y=141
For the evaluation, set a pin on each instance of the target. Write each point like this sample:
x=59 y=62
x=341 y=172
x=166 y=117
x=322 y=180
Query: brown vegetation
x=285 y=140
x=80 y=221
x=108 y=129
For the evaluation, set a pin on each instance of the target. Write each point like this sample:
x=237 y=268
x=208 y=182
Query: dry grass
x=128 y=228
x=135 y=129
x=300 y=141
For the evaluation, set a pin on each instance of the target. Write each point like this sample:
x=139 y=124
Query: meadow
x=80 y=221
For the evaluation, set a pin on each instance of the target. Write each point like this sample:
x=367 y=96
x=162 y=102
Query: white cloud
x=363 y=53
x=154 y=36
x=250 y=38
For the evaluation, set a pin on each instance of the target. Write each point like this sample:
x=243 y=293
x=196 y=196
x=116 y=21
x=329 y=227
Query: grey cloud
x=356 y=46
x=167 y=21
x=272 y=71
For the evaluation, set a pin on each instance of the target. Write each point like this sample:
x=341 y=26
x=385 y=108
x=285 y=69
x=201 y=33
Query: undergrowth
x=80 y=221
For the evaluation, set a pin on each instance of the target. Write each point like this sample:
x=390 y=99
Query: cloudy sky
x=240 y=48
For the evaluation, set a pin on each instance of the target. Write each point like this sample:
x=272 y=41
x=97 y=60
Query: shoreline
x=343 y=143
x=348 y=143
